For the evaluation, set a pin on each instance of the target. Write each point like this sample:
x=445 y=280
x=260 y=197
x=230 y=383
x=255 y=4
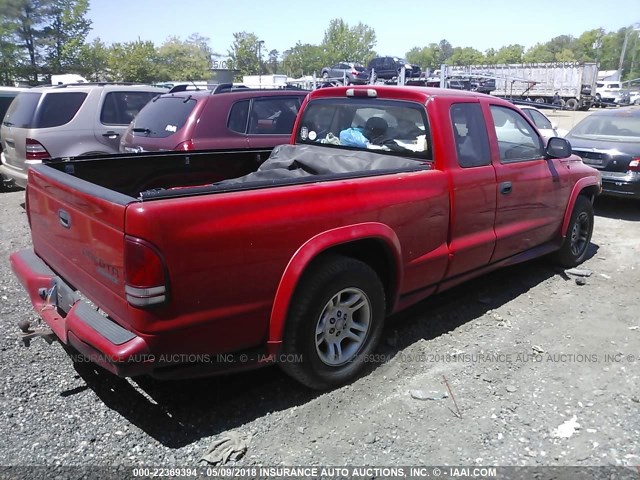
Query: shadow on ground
x=178 y=413
x=617 y=208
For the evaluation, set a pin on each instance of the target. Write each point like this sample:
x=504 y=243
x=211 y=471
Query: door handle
x=64 y=218
x=505 y=188
x=111 y=135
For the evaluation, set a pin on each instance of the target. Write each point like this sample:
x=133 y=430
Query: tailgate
x=77 y=228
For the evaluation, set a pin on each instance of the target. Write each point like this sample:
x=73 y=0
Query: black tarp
x=299 y=161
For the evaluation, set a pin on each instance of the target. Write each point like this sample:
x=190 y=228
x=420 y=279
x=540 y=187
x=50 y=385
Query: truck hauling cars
x=384 y=196
x=538 y=82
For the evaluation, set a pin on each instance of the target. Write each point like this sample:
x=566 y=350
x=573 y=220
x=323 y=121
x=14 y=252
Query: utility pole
x=634 y=28
x=260 y=43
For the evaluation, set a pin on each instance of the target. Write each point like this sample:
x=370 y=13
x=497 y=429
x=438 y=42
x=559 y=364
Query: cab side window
x=517 y=139
x=470 y=134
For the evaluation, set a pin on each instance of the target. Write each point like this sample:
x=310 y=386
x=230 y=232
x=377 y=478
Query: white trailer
x=538 y=82
x=67 y=78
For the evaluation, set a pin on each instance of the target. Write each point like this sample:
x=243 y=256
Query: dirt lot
x=544 y=371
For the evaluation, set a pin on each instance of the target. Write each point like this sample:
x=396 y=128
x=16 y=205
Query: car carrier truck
x=538 y=82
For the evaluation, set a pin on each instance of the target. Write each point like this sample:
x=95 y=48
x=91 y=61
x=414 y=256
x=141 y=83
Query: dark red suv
x=221 y=117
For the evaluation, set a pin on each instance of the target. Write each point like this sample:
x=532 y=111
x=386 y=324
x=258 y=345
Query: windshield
x=616 y=128
x=385 y=126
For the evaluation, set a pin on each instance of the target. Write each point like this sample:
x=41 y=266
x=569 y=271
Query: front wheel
x=574 y=247
x=335 y=321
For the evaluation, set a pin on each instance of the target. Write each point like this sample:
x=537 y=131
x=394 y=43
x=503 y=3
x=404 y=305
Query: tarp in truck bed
x=299 y=161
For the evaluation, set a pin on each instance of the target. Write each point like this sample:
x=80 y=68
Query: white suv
x=608 y=92
x=67 y=120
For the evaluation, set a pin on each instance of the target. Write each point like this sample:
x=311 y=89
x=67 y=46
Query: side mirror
x=558 y=148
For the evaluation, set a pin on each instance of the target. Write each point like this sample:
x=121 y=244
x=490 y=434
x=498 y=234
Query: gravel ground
x=544 y=371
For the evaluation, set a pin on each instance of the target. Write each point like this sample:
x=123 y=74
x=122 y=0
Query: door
x=117 y=110
x=529 y=207
x=473 y=191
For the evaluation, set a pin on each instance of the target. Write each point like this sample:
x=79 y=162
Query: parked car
x=545 y=126
x=609 y=140
x=67 y=120
x=610 y=93
x=388 y=68
x=223 y=117
x=347 y=73
x=7 y=94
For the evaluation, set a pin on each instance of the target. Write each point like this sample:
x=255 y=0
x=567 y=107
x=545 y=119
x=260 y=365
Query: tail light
x=145 y=274
x=35 y=150
x=634 y=165
x=185 y=146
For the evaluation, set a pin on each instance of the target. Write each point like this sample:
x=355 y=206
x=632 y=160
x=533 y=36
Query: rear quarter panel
x=226 y=254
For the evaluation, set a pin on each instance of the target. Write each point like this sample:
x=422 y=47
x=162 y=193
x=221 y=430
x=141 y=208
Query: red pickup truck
x=184 y=263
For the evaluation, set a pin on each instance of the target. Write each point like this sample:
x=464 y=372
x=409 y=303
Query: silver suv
x=67 y=120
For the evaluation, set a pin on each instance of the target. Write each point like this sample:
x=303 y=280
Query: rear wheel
x=325 y=76
x=571 y=104
x=574 y=247
x=540 y=100
x=335 y=320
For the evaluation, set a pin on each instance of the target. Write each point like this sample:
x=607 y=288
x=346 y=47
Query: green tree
x=133 y=62
x=490 y=55
x=351 y=44
x=445 y=50
x=65 y=33
x=587 y=45
x=426 y=57
x=189 y=60
x=509 y=54
x=539 y=53
x=93 y=61
x=465 y=56
x=272 y=62
x=10 y=53
x=29 y=21
x=244 y=53
x=303 y=59
x=566 y=55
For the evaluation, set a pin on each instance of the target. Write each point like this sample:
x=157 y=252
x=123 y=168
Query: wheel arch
x=375 y=244
x=586 y=187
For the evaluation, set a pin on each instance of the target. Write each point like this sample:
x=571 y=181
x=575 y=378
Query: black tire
x=575 y=245
x=313 y=324
x=572 y=104
x=325 y=76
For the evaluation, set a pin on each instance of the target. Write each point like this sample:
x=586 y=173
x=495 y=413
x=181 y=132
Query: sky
x=399 y=25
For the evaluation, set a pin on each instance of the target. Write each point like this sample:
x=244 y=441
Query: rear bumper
x=628 y=186
x=104 y=342
x=16 y=176
x=98 y=338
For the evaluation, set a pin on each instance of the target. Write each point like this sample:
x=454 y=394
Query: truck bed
x=172 y=174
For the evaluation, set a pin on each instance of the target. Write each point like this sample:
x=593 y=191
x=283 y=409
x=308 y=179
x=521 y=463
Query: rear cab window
x=163 y=116
x=470 y=135
x=385 y=126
